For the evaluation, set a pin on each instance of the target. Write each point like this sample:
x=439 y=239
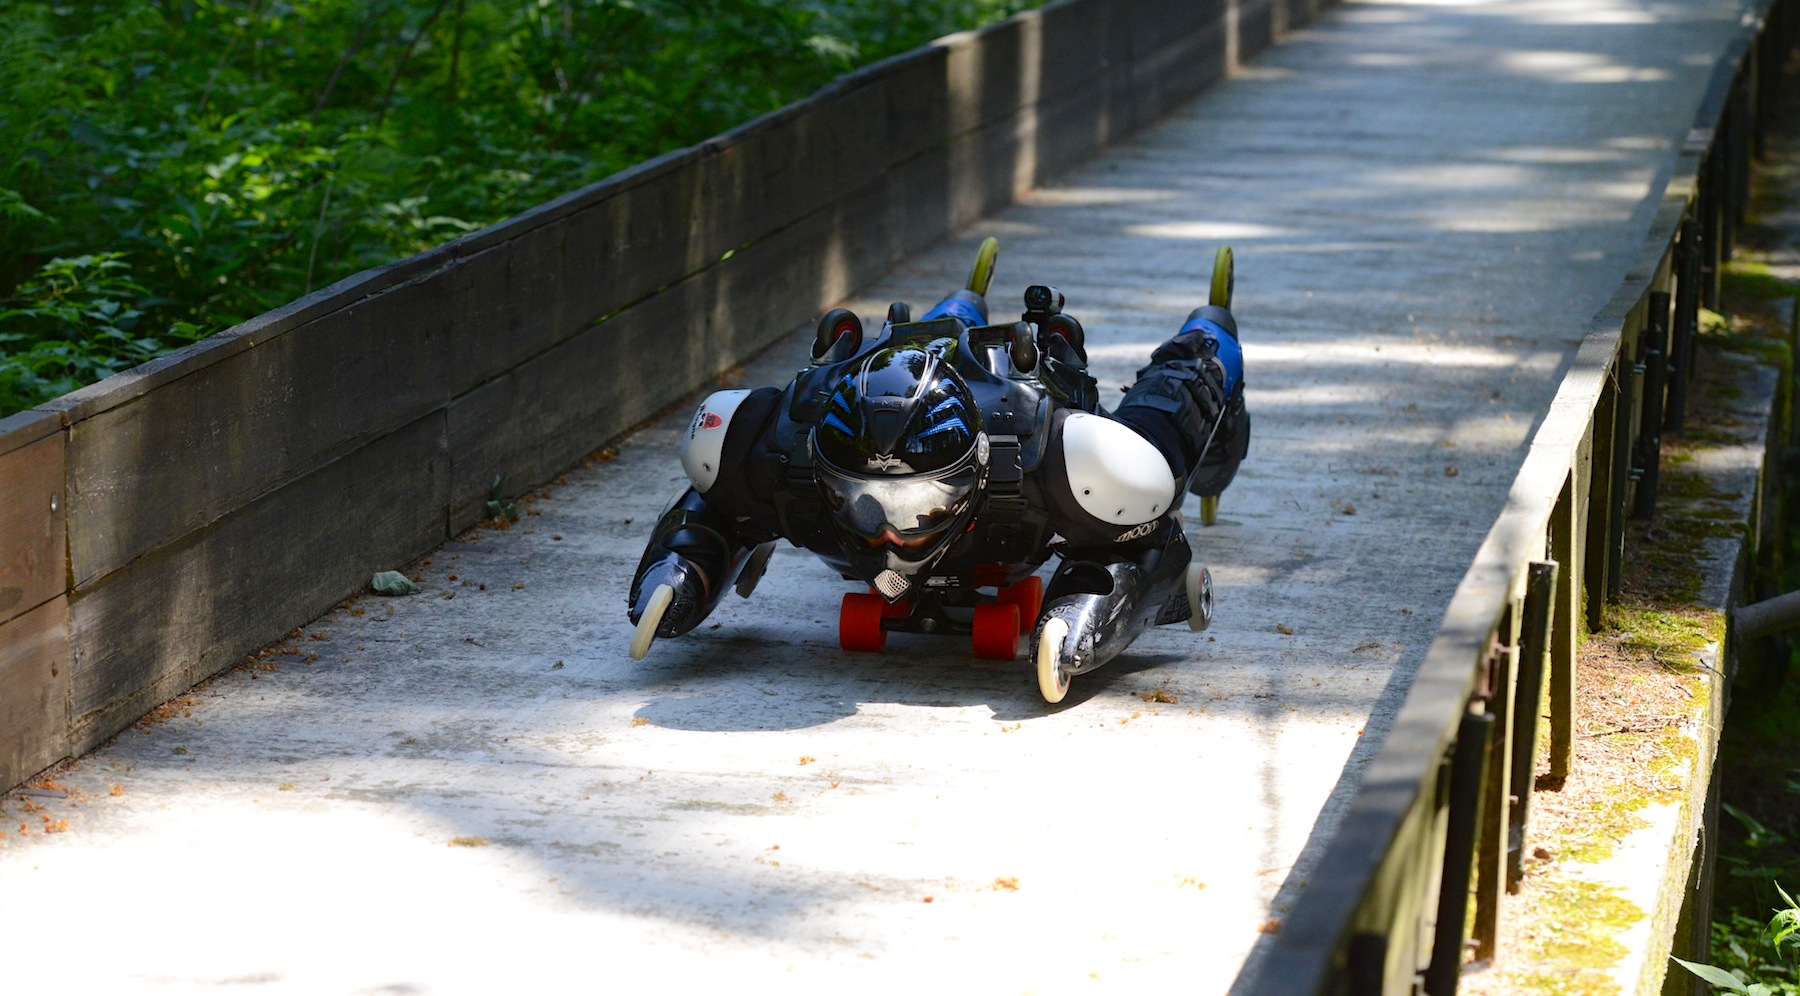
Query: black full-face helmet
x=900 y=456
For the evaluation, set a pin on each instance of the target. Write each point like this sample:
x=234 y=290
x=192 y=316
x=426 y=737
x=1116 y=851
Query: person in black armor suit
x=948 y=457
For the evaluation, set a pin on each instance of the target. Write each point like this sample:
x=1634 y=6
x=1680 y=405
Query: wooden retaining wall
x=157 y=526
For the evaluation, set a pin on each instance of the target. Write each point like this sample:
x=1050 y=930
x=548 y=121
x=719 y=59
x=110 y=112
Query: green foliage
x=1744 y=948
x=222 y=157
x=74 y=322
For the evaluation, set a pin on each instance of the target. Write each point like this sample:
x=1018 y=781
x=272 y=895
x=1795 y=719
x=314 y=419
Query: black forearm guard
x=1177 y=401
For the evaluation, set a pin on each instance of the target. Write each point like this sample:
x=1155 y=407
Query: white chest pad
x=1117 y=475
x=704 y=442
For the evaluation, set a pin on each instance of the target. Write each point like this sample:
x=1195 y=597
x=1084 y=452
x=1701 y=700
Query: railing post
x=1534 y=640
x=1565 y=628
x=1686 y=323
x=1468 y=772
x=1710 y=213
x=1656 y=376
x=1728 y=143
x=1743 y=110
x=1620 y=458
x=1490 y=861
x=1599 y=502
x=1368 y=965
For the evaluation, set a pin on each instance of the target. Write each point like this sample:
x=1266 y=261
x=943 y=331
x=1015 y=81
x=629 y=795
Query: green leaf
x=1757 y=835
x=1716 y=976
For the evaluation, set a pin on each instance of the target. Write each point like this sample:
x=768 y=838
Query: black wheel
x=1070 y=330
x=835 y=326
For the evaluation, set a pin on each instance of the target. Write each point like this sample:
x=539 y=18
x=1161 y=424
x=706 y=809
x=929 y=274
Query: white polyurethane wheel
x=1052 y=681
x=1200 y=597
x=652 y=618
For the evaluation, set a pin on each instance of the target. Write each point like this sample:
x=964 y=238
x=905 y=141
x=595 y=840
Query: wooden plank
x=187 y=610
x=34 y=691
x=27 y=427
x=151 y=472
x=804 y=166
x=919 y=203
x=495 y=321
x=1003 y=79
x=535 y=420
x=1176 y=50
x=916 y=104
x=33 y=523
x=1255 y=29
x=1075 y=48
x=623 y=249
x=989 y=167
x=1086 y=92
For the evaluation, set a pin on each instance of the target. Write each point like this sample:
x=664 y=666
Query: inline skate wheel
x=652 y=618
x=1200 y=597
x=859 y=622
x=995 y=632
x=1209 y=510
x=1224 y=278
x=982 y=274
x=1053 y=681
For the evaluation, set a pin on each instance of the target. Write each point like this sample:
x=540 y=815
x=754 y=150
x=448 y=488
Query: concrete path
x=1428 y=201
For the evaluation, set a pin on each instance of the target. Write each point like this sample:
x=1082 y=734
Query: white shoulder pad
x=1117 y=475
x=705 y=439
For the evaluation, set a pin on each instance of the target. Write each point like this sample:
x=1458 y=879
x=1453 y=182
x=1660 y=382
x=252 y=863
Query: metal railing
x=1442 y=809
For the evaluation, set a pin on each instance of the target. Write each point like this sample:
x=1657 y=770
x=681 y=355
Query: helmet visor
x=914 y=506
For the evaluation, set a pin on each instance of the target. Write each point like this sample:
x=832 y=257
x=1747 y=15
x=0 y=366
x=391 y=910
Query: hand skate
x=686 y=569
x=1094 y=610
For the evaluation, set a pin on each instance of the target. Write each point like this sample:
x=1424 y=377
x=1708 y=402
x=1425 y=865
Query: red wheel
x=996 y=631
x=1028 y=595
x=859 y=622
x=894 y=610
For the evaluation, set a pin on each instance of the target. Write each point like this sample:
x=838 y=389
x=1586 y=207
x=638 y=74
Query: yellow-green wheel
x=1209 y=510
x=983 y=273
x=1223 y=278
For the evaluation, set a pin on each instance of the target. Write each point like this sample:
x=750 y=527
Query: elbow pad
x=1115 y=474
x=702 y=448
